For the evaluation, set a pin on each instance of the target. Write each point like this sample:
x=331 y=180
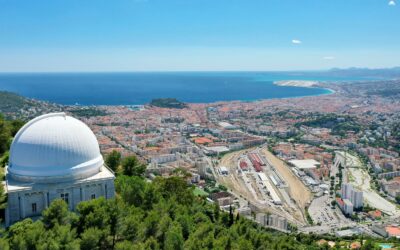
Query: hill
x=15 y=106
x=367 y=72
x=11 y=102
x=168 y=103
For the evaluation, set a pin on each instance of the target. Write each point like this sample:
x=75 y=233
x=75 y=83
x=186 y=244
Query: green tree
x=59 y=237
x=131 y=224
x=104 y=215
x=4 y=244
x=113 y=220
x=202 y=238
x=186 y=225
x=173 y=238
x=231 y=217
x=92 y=238
x=113 y=160
x=57 y=213
x=149 y=226
x=4 y=137
x=131 y=189
x=151 y=244
x=4 y=159
x=216 y=211
x=181 y=172
x=163 y=227
x=25 y=234
x=131 y=166
x=244 y=244
x=175 y=188
x=150 y=197
x=398 y=199
x=3 y=197
x=369 y=245
x=127 y=245
x=7 y=130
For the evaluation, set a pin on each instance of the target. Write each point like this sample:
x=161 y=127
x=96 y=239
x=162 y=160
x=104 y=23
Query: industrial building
x=256 y=161
x=270 y=189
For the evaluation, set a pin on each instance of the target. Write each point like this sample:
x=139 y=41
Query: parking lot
x=321 y=212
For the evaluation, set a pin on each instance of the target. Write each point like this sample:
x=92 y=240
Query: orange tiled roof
x=355 y=245
x=202 y=140
x=377 y=213
x=393 y=231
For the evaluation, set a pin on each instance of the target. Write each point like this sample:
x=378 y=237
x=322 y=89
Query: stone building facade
x=53 y=157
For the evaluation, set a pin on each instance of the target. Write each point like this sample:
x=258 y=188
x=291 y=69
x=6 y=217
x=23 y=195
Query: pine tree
x=113 y=160
x=231 y=217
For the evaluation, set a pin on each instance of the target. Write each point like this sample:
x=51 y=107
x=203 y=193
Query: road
x=357 y=175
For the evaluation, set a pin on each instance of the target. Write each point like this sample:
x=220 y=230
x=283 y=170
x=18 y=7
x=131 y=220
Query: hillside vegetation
x=7 y=131
x=14 y=106
x=168 y=103
x=11 y=103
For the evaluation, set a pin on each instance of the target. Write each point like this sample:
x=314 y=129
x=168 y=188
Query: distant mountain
x=366 y=72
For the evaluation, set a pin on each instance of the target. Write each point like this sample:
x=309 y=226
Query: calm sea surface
x=140 y=88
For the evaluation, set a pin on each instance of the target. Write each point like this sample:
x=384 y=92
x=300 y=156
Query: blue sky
x=158 y=35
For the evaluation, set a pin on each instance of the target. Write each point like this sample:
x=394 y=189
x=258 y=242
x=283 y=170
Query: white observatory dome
x=54 y=148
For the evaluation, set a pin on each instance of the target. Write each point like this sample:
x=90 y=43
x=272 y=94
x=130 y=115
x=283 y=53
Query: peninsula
x=297 y=83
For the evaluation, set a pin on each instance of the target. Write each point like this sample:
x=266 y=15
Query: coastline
x=328 y=92
x=135 y=90
x=304 y=84
x=297 y=83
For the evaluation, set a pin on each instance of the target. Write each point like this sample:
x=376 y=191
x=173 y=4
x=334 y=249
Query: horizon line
x=190 y=71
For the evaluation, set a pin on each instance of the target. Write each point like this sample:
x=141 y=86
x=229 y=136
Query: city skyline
x=150 y=35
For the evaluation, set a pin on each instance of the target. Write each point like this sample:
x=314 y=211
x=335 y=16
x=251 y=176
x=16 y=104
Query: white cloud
x=329 y=58
x=295 y=41
x=392 y=3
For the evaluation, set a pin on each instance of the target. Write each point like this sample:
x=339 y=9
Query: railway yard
x=265 y=182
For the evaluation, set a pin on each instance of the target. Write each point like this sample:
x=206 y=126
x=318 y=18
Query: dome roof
x=52 y=148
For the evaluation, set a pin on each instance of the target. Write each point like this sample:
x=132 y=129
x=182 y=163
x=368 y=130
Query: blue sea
x=141 y=88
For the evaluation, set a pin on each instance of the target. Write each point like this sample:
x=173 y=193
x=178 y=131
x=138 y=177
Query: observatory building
x=54 y=156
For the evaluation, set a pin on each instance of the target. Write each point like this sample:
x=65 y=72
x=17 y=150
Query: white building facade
x=355 y=196
x=54 y=156
x=348 y=207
